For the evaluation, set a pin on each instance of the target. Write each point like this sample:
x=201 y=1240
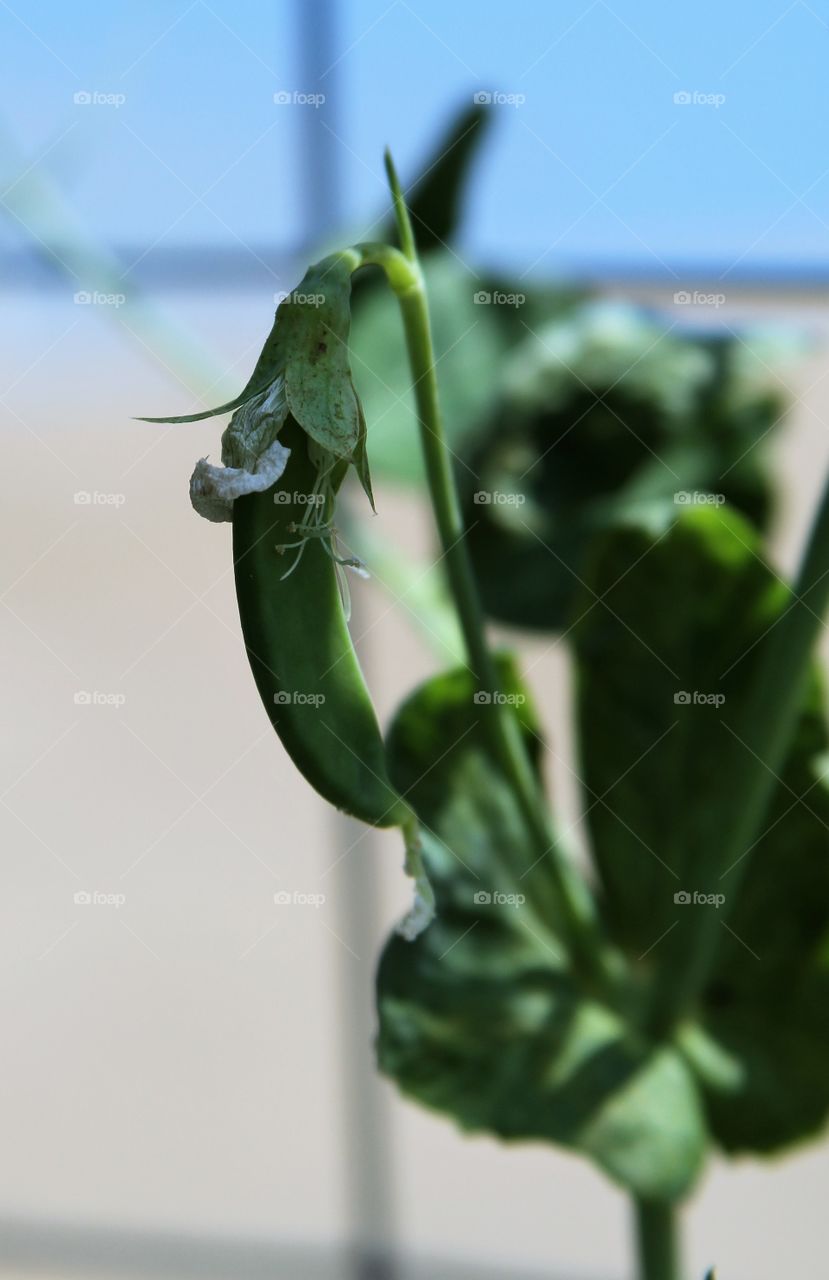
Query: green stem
x=760 y=739
x=657 y=1241
x=572 y=905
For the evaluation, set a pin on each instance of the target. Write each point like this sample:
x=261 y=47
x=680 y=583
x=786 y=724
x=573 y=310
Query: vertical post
x=367 y=1165
x=318 y=160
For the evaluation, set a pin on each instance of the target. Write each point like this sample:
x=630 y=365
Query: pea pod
x=296 y=428
x=298 y=644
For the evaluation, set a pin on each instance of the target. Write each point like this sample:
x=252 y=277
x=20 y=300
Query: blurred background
x=188 y=1085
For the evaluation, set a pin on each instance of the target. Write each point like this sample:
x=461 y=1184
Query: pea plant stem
x=657 y=1242
x=573 y=905
x=760 y=739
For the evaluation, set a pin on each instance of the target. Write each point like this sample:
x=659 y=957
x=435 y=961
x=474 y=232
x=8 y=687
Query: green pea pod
x=296 y=429
x=298 y=644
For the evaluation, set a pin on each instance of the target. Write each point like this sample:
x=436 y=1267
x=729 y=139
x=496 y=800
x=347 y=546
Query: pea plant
x=673 y=1001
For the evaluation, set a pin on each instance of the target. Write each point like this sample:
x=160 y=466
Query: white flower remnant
x=213 y=490
x=252 y=457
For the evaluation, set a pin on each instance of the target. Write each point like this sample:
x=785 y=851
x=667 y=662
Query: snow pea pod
x=297 y=640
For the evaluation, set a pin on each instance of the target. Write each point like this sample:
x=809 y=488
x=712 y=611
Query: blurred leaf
x=478 y=1017
x=602 y=414
x=468 y=350
x=436 y=199
x=666 y=612
x=767 y=1003
x=675 y=612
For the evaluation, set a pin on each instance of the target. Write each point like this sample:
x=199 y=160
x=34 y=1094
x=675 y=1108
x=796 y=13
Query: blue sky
x=593 y=161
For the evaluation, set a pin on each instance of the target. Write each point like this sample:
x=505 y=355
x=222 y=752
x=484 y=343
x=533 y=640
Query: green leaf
x=479 y=1017
x=436 y=198
x=677 y=611
x=313 y=343
x=603 y=414
x=767 y=1003
x=666 y=612
x=307 y=347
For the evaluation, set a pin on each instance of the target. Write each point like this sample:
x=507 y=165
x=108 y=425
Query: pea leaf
x=602 y=414
x=479 y=1017
x=436 y=198
x=767 y=1004
x=667 y=610
x=671 y=620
